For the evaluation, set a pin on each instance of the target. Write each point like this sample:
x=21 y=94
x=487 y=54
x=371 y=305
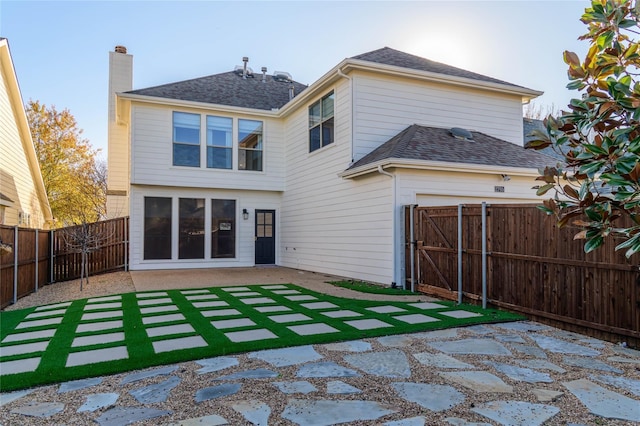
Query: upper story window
x=186 y=139
x=250 y=145
x=219 y=142
x=321 y=123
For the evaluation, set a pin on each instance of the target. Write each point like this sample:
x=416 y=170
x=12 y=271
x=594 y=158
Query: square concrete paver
x=202 y=296
x=25 y=348
x=97 y=339
x=319 y=305
x=101 y=306
x=151 y=295
x=232 y=323
x=220 y=313
x=267 y=309
x=250 y=335
x=274 y=287
x=210 y=304
x=97 y=355
x=49 y=313
x=158 y=309
x=427 y=305
x=301 y=297
x=101 y=315
x=99 y=326
x=179 y=344
x=162 y=318
x=54 y=306
x=19 y=366
x=345 y=313
x=104 y=299
x=160 y=301
x=30 y=335
x=460 y=314
x=367 y=324
x=258 y=301
x=169 y=330
x=280 y=319
x=235 y=289
x=415 y=318
x=310 y=329
x=39 y=323
x=387 y=309
x=247 y=294
x=289 y=291
x=197 y=291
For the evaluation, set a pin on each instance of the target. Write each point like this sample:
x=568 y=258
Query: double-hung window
x=249 y=145
x=186 y=139
x=219 y=142
x=321 y=123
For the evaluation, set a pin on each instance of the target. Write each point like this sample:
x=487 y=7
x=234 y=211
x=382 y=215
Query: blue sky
x=60 y=49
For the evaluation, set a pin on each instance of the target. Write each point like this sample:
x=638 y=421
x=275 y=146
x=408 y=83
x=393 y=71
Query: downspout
x=342 y=74
x=394 y=222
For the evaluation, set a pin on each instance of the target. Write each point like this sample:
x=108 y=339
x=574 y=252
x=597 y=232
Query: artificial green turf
x=52 y=367
x=365 y=287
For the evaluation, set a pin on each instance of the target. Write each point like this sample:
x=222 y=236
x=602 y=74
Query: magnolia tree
x=598 y=186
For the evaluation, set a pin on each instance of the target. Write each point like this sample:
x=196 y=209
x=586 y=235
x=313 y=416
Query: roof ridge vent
x=460 y=133
x=282 y=76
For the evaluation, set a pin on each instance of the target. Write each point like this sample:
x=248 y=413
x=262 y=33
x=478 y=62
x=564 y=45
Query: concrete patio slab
x=102 y=315
x=20 y=365
x=24 y=348
x=460 y=314
x=207 y=296
x=97 y=355
x=101 y=306
x=344 y=313
x=221 y=313
x=319 y=305
x=97 y=339
x=287 y=356
x=42 y=314
x=246 y=294
x=232 y=323
x=154 y=294
x=415 y=318
x=427 y=305
x=267 y=309
x=210 y=304
x=168 y=330
x=250 y=335
x=301 y=298
x=39 y=323
x=367 y=324
x=99 y=326
x=104 y=299
x=311 y=329
x=157 y=319
x=54 y=306
x=386 y=309
x=179 y=344
x=281 y=319
x=257 y=301
x=151 y=301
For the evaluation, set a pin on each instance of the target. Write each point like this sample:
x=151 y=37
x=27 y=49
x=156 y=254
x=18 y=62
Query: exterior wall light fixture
x=245 y=214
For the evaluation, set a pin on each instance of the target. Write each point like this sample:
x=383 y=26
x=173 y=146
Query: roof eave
x=358 y=64
x=123 y=96
x=401 y=163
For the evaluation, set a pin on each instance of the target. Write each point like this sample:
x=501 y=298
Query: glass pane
x=249 y=160
x=268 y=219
x=223 y=233
x=219 y=158
x=260 y=231
x=314 y=138
x=250 y=134
x=268 y=231
x=186 y=128
x=186 y=155
x=191 y=228
x=219 y=131
x=157 y=228
x=260 y=218
x=327 y=132
x=327 y=106
x=314 y=114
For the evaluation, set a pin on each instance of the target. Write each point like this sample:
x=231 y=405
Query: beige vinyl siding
x=245 y=246
x=329 y=224
x=16 y=175
x=384 y=106
x=152 y=153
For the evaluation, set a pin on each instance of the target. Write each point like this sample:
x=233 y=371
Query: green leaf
x=591 y=169
x=544 y=189
x=593 y=243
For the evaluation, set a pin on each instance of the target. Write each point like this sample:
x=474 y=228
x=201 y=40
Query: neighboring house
x=23 y=198
x=242 y=168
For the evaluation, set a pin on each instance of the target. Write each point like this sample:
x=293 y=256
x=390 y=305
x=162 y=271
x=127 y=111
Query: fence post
x=412 y=242
x=459 y=254
x=15 y=264
x=484 y=255
x=52 y=256
x=37 y=260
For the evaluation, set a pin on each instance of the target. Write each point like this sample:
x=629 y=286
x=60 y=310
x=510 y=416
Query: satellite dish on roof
x=460 y=133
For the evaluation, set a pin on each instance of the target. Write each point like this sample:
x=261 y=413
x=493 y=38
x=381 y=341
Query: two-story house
x=245 y=168
x=23 y=197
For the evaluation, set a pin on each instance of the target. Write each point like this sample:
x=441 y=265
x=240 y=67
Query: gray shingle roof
x=389 y=56
x=437 y=144
x=531 y=124
x=228 y=89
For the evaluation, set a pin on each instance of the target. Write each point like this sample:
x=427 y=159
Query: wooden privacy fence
x=41 y=257
x=530 y=266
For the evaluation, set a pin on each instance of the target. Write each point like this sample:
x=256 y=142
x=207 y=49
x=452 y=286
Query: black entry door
x=265 y=237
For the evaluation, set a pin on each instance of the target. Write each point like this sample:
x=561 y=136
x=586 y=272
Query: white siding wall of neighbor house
x=16 y=179
x=245 y=229
x=329 y=224
x=152 y=153
x=385 y=106
x=120 y=80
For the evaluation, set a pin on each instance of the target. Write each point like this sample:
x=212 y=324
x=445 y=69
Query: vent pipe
x=245 y=59
x=264 y=74
x=291 y=91
x=120 y=49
